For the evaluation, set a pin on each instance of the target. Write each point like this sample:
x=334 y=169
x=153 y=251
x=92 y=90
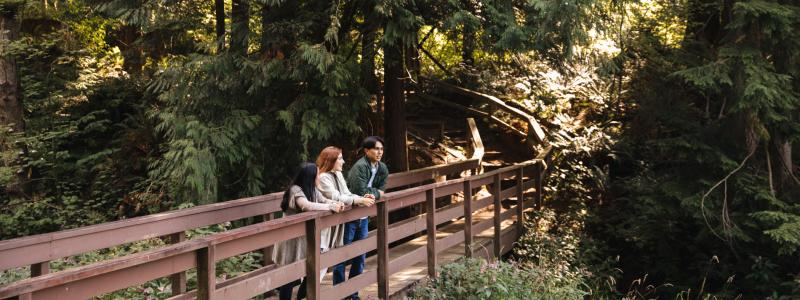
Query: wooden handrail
x=473 y=112
x=203 y=253
x=535 y=131
x=49 y=246
x=102 y=277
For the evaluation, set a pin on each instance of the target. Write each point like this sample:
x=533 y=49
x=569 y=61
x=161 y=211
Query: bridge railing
x=203 y=253
x=535 y=134
x=38 y=250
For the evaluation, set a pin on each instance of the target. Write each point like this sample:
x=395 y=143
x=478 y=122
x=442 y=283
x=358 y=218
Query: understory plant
x=474 y=278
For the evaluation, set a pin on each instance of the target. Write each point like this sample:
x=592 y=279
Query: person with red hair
x=333 y=186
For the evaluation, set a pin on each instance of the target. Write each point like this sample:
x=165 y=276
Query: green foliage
x=694 y=177
x=132 y=107
x=478 y=279
x=209 y=137
x=85 y=146
x=785 y=228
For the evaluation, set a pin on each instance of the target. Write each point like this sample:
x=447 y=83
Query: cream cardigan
x=328 y=183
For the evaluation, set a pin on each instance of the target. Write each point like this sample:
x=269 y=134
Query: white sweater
x=328 y=182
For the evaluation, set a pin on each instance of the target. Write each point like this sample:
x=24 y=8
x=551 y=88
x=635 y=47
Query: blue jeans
x=353 y=231
x=285 y=291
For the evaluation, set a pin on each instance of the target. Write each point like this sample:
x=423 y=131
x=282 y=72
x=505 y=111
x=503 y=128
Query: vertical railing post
x=537 y=177
x=467 y=218
x=442 y=178
x=178 y=280
x=477 y=144
x=312 y=259
x=383 y=250
x=497 y=209
x=520 y=202
x=39 y=269
x=430 y=218
x=266 y=253
x=206 y=273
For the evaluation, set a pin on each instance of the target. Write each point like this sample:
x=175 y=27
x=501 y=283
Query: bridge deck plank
x=400 y=282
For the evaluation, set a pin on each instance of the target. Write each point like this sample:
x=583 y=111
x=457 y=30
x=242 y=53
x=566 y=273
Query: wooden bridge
x=174 y=260
x=459 y=223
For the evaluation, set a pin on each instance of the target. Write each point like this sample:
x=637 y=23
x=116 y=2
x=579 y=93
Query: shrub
x=477 y=279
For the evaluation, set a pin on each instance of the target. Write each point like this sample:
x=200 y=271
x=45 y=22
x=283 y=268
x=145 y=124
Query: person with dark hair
x=367 y=176
x=302 y=195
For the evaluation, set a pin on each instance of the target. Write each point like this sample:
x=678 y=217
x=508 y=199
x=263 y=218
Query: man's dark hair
x=370 y=141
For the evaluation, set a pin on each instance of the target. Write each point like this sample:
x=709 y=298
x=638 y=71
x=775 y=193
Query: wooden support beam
x=266 y=257
x=467 y=218
x=178 y=280
x=537 y=179
x=383 y=250
x=430 y=217
x=312 y=259
x=206 y=273
x=497 y=210
x=40 y=269
x=520 y=202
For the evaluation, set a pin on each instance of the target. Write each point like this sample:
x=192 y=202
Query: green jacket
x=359 y=174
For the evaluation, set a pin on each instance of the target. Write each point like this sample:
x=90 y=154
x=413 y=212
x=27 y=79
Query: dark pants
x=285 y=291
x=353 y=231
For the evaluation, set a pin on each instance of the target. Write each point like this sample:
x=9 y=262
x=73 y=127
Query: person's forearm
x=331 y=192
x=306 y=205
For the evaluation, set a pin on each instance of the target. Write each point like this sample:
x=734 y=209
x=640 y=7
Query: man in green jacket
x=367 y=177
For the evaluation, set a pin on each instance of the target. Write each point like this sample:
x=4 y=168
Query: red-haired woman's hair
x=327 y=158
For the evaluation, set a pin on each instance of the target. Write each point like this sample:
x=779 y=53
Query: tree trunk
x=784 y=165
x=467 y=37
x=370 y=81
x=468 y=46
x=132 y=53
x=11 y=110
x=395 y=119
x=782 y=144
x=265 y=18
x=276 y=44
x=368 y=61
x=706 y=24
x=347 y=19
x=412 y=58
x=10 y=99
x=240 y=26
x=219 y=13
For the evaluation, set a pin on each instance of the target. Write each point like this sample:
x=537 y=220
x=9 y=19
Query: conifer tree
x=10 y=97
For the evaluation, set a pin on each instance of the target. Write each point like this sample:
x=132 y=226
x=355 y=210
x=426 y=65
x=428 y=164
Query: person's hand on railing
x=365 y=201
x=368 y=195
x=336 y=207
